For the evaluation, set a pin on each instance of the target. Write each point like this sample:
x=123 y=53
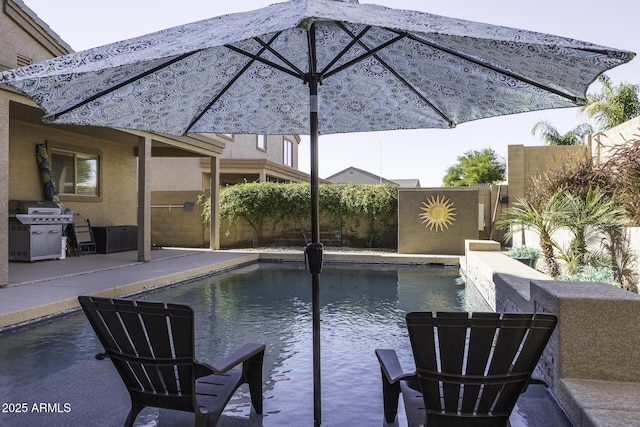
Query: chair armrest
x=241 y=355
x=390 y=366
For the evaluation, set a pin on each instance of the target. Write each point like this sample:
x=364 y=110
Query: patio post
x=144 y=199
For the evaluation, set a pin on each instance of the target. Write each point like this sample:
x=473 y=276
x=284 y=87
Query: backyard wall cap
x=583 y=290
x=482 y=245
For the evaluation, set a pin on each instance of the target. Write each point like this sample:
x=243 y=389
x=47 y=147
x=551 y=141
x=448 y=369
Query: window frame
x=78 y=152
x=261 y=142
x=287 y=154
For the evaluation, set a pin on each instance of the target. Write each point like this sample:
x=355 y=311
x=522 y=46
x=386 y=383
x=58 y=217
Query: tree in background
x=476 y=167
x=551 y=136
x=613 y=105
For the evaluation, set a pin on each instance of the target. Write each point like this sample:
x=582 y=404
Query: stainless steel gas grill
x=35 y=230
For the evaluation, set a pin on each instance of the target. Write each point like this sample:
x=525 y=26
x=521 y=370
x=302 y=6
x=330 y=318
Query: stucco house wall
x=176 y=174
x=19 y=28
x=242 y=146
x=122 y=198
x=118 y=192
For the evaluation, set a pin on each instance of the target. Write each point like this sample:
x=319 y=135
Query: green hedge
x=289 y=205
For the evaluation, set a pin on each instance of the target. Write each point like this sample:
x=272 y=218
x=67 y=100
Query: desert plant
x=525 y=252
x=588 y=217
x=592 y=274
x=621 y=173
x=544 y=220
x=622 y=259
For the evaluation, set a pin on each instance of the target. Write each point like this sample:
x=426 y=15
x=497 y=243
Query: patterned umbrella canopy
x=378 y=69
x=315 y=67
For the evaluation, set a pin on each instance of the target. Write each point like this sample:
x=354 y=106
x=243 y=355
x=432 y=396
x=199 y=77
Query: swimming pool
x=363 y=308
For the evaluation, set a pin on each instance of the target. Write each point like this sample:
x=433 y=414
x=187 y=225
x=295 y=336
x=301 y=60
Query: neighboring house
x=353 y=175
x=246 y=158
x=120 y=190
x=261 y=158
x=407 y=183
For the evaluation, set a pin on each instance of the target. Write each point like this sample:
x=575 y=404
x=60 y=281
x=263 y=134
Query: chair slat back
x=478 y=365
x=82 y=229
x=151 y=344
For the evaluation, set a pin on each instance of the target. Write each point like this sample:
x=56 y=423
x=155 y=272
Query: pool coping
x=48 y=288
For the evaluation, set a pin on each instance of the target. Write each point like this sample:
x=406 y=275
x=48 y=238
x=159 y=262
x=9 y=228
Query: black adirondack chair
x=470 y=371
x=152 y=347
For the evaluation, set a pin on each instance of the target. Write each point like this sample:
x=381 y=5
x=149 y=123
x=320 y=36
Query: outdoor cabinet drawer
x=117 y=238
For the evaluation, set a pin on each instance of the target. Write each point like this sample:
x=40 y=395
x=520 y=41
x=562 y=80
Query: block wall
x=437 y=221
x=174 y=225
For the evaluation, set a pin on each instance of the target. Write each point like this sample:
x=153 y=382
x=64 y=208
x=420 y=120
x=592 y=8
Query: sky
x=412 y=154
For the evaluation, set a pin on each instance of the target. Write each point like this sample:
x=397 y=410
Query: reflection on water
x=363 y=308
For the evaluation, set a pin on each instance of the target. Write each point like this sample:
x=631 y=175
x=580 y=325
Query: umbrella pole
x=314 y=250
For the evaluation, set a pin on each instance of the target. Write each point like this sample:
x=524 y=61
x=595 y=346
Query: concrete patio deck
x=44 y=288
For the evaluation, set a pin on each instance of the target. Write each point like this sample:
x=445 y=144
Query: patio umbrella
x=315 y=67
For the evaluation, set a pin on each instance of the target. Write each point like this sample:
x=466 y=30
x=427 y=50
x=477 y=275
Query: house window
x=288 y=153
x=262 y=142
x=75 y=173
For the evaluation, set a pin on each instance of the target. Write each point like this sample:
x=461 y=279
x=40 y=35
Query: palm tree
x=589 y=217
x=613 y=105
x=551 y=136
x=544 y=220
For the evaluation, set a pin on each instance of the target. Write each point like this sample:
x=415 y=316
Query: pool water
x=363 y=308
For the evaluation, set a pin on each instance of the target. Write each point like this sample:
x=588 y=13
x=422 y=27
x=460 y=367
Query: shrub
x=592 y=274
x=262 y=204
x=525 y=252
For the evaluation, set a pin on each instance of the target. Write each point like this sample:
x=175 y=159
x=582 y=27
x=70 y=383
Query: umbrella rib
x=124 y=83
x=252 y=57
x=256 y=57
x=349 y=46
x=372 y=52
x=216 y=98
x=279 y=56
x=572 y=98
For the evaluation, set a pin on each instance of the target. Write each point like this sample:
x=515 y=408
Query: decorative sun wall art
x=438 y=213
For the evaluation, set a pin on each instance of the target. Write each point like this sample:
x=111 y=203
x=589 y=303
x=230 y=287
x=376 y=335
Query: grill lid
x=32 y=207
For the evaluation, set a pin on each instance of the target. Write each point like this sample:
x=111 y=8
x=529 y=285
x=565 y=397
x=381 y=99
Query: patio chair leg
x=254 y=378
x=390 y=395
x=133 y=413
